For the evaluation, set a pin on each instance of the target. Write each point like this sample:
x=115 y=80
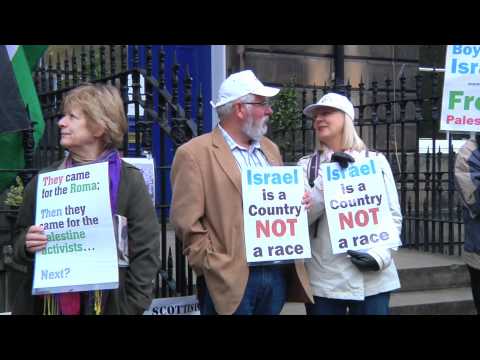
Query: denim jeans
x=265 y=293
x=372 y=305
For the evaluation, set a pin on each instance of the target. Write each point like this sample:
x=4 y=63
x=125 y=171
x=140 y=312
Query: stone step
x=414 y=259
x=434 y=278
x=425 y=271
x=291 y=308
x=454 y=301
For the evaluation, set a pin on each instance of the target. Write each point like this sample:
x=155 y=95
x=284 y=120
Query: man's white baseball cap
x=333 y=100
x=241 y=84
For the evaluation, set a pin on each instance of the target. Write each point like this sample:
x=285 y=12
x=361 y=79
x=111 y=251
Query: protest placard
x=356 y=205
x=461 y=89
x=147 y=168
x=73 y=206
x=275 y=221
x=182 y=305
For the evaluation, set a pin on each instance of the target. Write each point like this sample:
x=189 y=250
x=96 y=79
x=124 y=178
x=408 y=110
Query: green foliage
x=15 y=194
x=286 y=111
x=286 y=117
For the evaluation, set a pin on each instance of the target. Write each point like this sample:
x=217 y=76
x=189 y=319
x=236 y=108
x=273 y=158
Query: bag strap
x=313 y=167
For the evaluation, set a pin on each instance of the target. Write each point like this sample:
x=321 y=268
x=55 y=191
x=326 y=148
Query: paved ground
x=407 y=259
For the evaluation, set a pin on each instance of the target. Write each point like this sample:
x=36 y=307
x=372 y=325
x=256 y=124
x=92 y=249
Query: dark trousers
x=372 y=305
x=475 y=284
x=265 y=294
x=201 y=286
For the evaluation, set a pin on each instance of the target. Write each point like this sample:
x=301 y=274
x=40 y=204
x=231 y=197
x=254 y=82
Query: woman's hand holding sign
x=307 y=200
x=35 y=239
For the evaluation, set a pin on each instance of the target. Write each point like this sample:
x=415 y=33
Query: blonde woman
x=92 y=128
x=357 y=282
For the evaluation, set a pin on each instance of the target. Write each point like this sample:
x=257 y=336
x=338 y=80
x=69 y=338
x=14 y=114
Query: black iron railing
x=164 y=118
x=389 y=118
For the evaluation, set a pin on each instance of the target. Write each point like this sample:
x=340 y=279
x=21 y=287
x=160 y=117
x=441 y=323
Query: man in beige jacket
x=207 y=206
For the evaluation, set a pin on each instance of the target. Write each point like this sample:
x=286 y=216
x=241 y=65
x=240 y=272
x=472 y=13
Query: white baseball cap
x=333 y=100
x=241 y=84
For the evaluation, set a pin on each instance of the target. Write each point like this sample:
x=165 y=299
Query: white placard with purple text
x=275 y=221
x=356 y=205
x=73 y=206
x=461 y=89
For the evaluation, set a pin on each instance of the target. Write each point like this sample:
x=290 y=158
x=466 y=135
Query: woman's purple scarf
x=114 y=168
x=70 y=302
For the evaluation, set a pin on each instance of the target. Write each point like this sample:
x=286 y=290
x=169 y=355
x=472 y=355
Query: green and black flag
x=17 y=92
x=12 y=110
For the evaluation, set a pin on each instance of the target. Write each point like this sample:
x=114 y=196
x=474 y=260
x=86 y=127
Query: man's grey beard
x=253 y=130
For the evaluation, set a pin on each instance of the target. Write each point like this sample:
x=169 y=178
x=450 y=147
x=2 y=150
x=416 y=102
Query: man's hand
x=363 y=261
x=342 y=159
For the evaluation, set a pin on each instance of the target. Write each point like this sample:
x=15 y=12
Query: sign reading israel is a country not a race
x=356 y=205
x=461 y=89
x=73 y=206
x=275 y=221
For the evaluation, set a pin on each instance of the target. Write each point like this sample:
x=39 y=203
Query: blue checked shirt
x=251 y=157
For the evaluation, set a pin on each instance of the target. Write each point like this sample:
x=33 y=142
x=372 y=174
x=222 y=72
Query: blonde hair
x=102 y=106
x=350 y=138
